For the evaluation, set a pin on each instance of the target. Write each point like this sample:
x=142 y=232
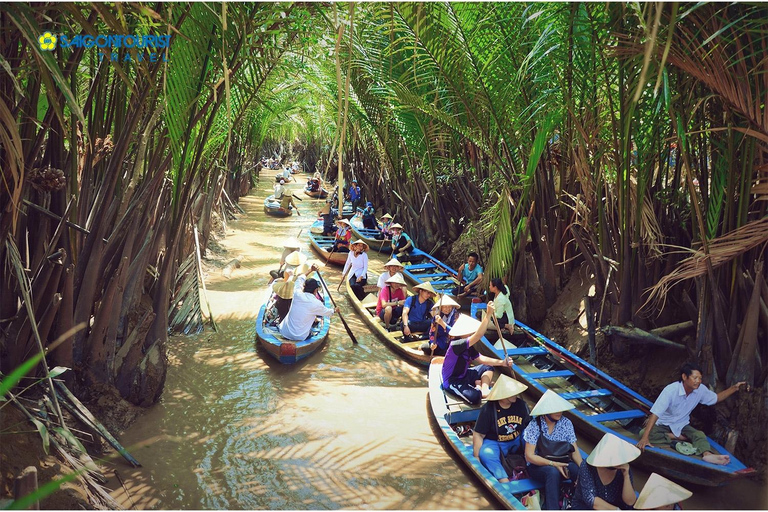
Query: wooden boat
x=272 y=207
x=367 y=235
x=603 y=405
x=409 y=350
x=322 y=246
x=318 y=194
x=450 y=412
x=287 y=351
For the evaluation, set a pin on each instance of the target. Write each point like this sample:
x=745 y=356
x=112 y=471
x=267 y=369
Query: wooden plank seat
x=444 y=282
x=591 y=393
x=526 y=351
x=419 y=266
x=620 y=415
x=550 y=375
x=438 y=274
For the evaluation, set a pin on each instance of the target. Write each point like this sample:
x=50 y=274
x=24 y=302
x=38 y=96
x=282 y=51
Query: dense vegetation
x=630 y=137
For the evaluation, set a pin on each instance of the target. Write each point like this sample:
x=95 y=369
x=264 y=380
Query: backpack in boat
x=513 y=463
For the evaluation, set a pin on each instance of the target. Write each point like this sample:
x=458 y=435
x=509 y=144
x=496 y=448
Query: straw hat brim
x=393 y=263
x=426 y=287
x=660 y=492
x=506 y=387
x=386 y=216
x=396 y=279
x=445 y=300
x=395 y=226
x=343 y=221
x=360 y=242
x=465 y=326
x=301 y=269
x=551 y=403
x=612 y=451
x=292 y=244
x=296 y=258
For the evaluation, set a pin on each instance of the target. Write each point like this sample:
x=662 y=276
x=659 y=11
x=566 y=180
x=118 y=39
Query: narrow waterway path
x=347 y=428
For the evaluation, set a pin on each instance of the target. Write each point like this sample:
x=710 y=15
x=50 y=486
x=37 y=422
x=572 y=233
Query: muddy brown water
x=347 y=428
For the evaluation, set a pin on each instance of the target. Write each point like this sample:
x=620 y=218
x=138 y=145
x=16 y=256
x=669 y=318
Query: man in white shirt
x=670 y=417
x=305 y=307
x=279 y=190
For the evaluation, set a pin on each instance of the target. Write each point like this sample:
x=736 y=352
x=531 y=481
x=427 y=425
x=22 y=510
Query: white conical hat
x=292 y=244
x=550 y=403
x=506 y=387
x=396 y=226
x=360 y=242
x=445 y=300
x=465 y=326
x=295 y=258
x=427 y=286
x=393 y=263
x=386 y=216
x=612 y=451
x=660 y=492
x=343 y=221
x=397 y=278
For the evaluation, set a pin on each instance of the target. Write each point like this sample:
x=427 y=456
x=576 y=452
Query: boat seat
x=620 y=415
x=592 y=393
x=446 y=281
x=550 y=375
x=420 y=266
x=439 y=274
x=526 y=351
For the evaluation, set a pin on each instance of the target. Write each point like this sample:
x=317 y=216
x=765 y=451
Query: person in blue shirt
x=417 y=310
x=369 y=216
x=401 y=243
x=354 y=195
x=470 y=277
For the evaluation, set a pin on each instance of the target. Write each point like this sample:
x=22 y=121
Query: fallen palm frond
x=186 y=314
x=721 y=250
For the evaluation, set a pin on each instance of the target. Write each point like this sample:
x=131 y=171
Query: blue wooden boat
x=272 y=207
x=603 y=404
x=422 y=267
x=368 y=236
x=287 y=351
x=322 y=245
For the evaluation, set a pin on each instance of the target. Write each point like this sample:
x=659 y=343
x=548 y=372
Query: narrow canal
x=347 y=428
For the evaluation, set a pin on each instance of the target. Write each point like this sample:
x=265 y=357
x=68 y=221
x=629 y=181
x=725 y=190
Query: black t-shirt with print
x=510 y=421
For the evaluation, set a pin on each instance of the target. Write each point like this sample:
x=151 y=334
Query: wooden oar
x=329 y=255
x=501 y=334
x=341 y=317
x=439 y=305
x=297 y=197
x=338 y=288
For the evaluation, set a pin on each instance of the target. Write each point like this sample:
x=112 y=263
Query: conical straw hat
x=393 y=263
x=395 y=226
x=303 y=268
x=550 y=403
x=295 y=258
x=465 y=326
x=660 y=492
x=396 y=279
x=425 y=286
x=445 y=300
x=386 y=216
x=612 y=451
x=506 y=387
x=292 y=244
x=360 y=242
x=343 y=221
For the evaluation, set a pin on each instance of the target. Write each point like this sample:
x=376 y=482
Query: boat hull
x=604 y=405
x=290 y=352
x=367 y=235
x=409 y=351
x=272 y=207
x=317 y=194
x=322 y=246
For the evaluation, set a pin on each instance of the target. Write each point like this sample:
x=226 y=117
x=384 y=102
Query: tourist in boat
x=470 y=277
x=605 y=479
x=286 y=203
x=446 y=314
x=389 y=307
x=385 y=222
x=343 y=236
x=402 y=245
x=289 y=247
x=392 y=268
x=306 y=306
x=279 y=190
x=285 y=175
x=469 y=383
x=417 y=311
x=550 y=447
x=660 y=493
x=354 y=195
x=328 y=214
x=504 y=312
x=357 y=268
x=283 y=288
x=369 y=216
x=499 y=426
x=669 y=422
